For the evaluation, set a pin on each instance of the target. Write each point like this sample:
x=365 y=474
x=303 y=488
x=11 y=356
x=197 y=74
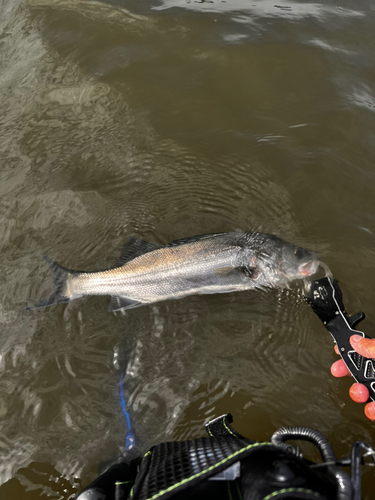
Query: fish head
x=298 y=262
x=280 y=262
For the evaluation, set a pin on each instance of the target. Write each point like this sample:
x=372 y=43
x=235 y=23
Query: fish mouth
x=309 y=268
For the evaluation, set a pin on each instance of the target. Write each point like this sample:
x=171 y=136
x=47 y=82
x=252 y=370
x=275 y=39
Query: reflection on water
x=285 y=9
x=162 y=121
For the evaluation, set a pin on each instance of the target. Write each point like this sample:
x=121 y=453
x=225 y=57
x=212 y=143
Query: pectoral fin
x=134 y=248
x=225 y=271
x=249 y=272
x=118 y=303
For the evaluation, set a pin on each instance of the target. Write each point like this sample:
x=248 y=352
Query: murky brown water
x=164 y=120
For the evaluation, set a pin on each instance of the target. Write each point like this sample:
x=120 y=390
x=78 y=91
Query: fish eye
x=298 y=252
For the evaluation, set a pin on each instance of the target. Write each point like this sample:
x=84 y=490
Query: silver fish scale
x=168 y=272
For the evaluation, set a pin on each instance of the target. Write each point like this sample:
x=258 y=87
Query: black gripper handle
x=325 y=298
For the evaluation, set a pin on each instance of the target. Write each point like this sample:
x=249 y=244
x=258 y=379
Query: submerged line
x=129 y=439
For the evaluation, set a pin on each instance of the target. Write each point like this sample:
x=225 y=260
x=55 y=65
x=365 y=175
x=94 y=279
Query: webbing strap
x=220 y=426
x=294 y=492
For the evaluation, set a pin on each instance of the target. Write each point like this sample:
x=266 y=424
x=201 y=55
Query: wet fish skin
x=215 y=263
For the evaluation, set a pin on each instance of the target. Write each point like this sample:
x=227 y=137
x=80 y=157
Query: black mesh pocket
x=177 y=465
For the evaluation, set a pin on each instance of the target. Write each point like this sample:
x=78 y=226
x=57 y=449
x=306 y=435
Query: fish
x=147 y=273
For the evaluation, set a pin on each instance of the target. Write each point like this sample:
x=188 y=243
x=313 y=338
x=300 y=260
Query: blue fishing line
x=129 y=439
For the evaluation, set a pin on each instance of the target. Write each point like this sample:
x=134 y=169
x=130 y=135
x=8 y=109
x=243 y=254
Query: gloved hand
x=358 y=392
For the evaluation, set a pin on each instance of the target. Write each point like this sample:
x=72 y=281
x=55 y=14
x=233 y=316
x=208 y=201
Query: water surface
x=162 y=120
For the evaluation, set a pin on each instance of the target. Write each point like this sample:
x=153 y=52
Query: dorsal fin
x=134 y=248
x=192 y=239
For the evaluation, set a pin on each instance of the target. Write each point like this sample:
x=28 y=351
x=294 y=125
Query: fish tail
x=59 y=276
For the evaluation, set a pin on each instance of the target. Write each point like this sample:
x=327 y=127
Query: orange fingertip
x=364 y=346
x=354 y=339
x=367 y=347
x=337 y=350
x=339 y=369
x=359 y=393
x=370 y=411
